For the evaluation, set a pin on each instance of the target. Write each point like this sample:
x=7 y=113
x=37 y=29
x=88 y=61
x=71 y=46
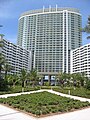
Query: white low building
x=80 y=60
x=17 y=57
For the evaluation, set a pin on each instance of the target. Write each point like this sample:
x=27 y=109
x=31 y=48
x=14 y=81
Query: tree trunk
x=5 y=75
x=25 y=83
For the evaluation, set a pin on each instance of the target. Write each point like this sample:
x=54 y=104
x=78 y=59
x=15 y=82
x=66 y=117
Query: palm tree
x=7 y=69
x=60 y=78
x=33 y=76
x=87 y=28
x=74 y=79
x=13 y=79
x=2 y=61
x=23 y=78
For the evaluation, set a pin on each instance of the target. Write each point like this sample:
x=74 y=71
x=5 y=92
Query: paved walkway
x=11 y=114
x=7 y=113
x=51 y=91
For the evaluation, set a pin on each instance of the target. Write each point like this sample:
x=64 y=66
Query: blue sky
x=10 y=11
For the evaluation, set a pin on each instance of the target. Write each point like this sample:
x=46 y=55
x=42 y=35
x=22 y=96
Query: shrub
x=43 y=103
x=88 y=84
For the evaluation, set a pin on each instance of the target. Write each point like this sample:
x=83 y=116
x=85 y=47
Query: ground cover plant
x=18 y=89
x=81 y=92
x=43 y=103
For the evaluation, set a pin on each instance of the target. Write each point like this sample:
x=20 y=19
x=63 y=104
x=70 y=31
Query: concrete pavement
x=76 y=115
x=7 y=113
x=51 y=91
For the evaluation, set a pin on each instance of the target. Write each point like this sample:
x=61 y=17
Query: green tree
x=1 y=40
x=7 y=68
x=87 y=28
x=2 y=62
x=61 y=78
x=88 y=84
x=78 y=79
x=33 y=77
x=13 y=79
x=2 y=59
x=23 y=78
x=74 y=79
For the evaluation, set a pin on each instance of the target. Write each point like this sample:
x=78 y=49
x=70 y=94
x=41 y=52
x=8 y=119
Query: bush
x=43 y=103
x=88 y=84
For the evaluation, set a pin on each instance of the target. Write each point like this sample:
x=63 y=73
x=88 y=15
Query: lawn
x=18 y=89
x=43 y=103
x=81 y=92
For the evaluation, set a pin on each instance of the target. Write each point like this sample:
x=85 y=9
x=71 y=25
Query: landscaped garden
x=43 y=103
x=18 y=89
x=81 y=92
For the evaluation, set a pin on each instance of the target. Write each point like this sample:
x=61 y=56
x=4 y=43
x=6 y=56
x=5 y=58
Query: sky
x=10 y=10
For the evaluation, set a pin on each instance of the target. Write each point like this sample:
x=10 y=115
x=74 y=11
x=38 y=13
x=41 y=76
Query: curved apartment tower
x=50 y=34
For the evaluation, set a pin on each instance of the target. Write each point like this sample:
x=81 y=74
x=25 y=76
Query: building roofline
x=81 y=47
x=49 y=10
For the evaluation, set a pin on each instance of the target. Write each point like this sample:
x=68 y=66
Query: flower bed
x=43 y=103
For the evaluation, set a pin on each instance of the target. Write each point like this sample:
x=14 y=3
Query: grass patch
x=18 y=89
x=81 y=92
x=43 y=103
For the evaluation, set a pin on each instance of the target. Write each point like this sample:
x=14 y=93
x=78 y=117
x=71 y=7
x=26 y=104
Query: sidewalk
x=70 y=96
x=51 y=91
x=7 y=113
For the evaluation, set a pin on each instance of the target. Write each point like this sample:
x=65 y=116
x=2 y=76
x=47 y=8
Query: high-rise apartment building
x=50 y=34
x=17 y=57
x=80 y=60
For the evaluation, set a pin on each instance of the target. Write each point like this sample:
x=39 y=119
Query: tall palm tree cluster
x=24 y=78
x=76 y=79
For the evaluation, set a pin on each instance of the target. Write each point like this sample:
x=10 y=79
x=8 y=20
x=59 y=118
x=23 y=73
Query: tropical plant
x=13 y=79
x=23 y=77
x=74 y=79
x=87 y=27
x=63 y=78
x=43 y=103
x=40 y=78
x=33 y=77
x=6 y=69
x=88 y=84
x=2 y=61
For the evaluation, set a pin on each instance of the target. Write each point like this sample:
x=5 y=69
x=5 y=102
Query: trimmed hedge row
x=43 y=103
